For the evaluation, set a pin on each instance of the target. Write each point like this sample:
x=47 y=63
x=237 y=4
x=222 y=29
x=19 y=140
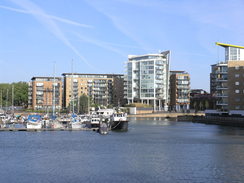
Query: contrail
x=100 y=44
x=67 y=21
x=48 y=22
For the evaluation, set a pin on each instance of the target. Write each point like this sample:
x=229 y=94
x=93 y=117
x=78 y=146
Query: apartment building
x=219 y=84
x=229 y=86
x=147 y=80
x=45 y=93
x=102 y=89
x=236 y=85
x=179 y=91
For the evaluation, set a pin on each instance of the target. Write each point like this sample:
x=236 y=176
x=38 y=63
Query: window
x=237 y=67
x=237 y=75
x=237 y=91
x=39 y=84
x=237 y=83
x=237 y=99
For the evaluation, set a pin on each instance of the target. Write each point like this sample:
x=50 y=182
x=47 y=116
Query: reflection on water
x=153 y=150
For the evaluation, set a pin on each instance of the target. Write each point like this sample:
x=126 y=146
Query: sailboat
x=34 y=122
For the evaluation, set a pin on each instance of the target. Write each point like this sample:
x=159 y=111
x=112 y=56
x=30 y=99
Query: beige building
x=41 y=93
x=102 y=89
x=179 y=91
x=232 y=87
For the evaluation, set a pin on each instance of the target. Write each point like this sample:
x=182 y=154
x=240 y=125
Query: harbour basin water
x=153 y=150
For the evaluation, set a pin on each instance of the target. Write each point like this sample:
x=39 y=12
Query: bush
x=139 y=105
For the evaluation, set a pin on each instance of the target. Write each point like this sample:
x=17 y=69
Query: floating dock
x=47 y=129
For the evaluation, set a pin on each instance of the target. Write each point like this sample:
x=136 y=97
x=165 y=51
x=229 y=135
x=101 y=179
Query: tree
x=83 y=104
x=20 y=94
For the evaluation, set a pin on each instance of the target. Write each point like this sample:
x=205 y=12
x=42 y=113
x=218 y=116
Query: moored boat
x=119 y=121
x=34 y=122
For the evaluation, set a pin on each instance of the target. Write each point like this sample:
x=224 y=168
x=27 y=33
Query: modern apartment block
x=102 y=89
x=147 y=79
x=219 y=84
x=227 y=79
x=41 y=93
x=179 y=91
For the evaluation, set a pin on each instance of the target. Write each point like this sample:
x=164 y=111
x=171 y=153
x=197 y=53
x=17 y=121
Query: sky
x=40 y=38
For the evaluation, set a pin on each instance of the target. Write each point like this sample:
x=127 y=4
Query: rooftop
x=229 y=45
x=43 y=77
x=64 y=74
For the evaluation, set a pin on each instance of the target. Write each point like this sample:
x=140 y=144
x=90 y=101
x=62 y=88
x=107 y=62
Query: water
x=151 y=151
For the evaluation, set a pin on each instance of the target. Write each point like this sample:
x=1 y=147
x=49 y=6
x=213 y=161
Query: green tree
x=83 y=104
x=20 y=94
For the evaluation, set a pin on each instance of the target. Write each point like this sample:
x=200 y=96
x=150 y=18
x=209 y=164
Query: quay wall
x=215 y=120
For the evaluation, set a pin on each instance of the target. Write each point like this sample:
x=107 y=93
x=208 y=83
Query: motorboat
x=119 y=121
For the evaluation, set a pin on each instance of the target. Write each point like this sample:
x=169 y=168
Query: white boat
x=76 y=122
x=34 y=122
x=119 y=117
x=119 y=121
x=4 y=120
x=105 y=112
x=95 y=121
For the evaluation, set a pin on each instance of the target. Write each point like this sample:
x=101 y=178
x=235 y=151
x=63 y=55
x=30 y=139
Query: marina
x=101 y=121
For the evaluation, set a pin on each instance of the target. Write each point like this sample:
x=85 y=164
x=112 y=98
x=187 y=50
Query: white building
x=147 y=80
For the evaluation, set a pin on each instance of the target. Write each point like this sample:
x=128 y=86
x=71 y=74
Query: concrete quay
x=214 y=120
x=166 y=114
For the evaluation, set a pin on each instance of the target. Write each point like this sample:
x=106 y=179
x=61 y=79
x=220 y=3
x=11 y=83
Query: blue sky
x=100 y=34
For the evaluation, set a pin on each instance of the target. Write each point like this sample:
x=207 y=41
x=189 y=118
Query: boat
x=105 y=112
x=119 y=121
x=76 y=122
x=34 y=122
x=95 y=121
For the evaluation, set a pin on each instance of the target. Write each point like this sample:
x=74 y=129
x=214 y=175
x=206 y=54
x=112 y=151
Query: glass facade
x=148 y=78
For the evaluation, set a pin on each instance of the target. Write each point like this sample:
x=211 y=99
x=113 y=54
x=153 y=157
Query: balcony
x=222 y=103
x=221 y=95
x=221 y=88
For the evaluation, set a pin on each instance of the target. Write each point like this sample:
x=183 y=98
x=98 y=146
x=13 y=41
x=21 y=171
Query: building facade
x=201 y=100
x=236 y=85
x=230 y=78
x=147 y=80
x=179 y=91
x=102 y=89
x=45 y=93
x=219 y=84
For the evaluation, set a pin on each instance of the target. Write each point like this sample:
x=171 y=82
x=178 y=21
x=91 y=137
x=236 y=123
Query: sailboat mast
x=72 y=86
x=1 y=99
x=54 y=91
x=12 y=99
x=7 y=101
